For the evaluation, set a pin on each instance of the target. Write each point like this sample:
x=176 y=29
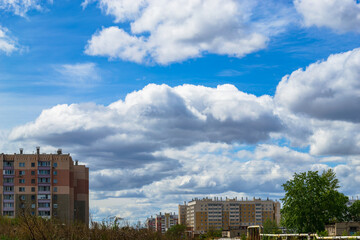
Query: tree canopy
x=311 y=201
x=354 y=212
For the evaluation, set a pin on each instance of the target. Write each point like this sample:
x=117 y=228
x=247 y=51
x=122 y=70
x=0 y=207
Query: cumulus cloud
x=340 y=15
x=328 y=90
x=7 y=44
x=154 y=118
x=164 y=31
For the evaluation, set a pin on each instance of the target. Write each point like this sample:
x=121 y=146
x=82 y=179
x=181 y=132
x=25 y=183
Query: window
x=22 y=197
x=44 y=213
x=55 y=180
x=44 y=188
x=55 y=197
x=32 y=164
x=22 y=205
x=32 y=189
x=33 y=213
x=21 y=173
x=55 y=189
x=8 y=205
x=55 y=205
x=55 y=164
x=44 y=164
x=21 y=164
x=9 y=197
x=8 y=213
x=9 y=189
x=32 y=172
x=55 y=172
x=44 y=180
x=44 y=205
x=21 y=189
x=44 y=172
x=44 y=196
x=8 y=180
x=33 y=197
x=21 y=180
x=8 y=172
x=33 y=180
x=33 y=205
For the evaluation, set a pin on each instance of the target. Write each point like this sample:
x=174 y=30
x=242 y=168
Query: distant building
x=162 y=222
x=46 y=185
x=340 y=228
x=150 y=223
x=200 y=215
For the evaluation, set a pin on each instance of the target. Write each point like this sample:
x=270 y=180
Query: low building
x=343 y=228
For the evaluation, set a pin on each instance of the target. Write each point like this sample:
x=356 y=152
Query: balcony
x=44 y=167
x=44 y=200
x=9 y=176
x=44 y=192
x=8 y=200
x=44 y=209
x=8 y=167
x=8 y=209
x=44 y=184
x=8 y=184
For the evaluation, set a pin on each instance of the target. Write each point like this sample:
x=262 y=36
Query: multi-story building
x=47 y=185
x=200 y=215
x=162 y=222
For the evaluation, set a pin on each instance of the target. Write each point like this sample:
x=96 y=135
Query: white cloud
x=340 y=15
x=7 y=44
x=320 y=105
x=211 y=114
x=166 y=31
x=328 y=90
x=20 y=7
x=78 y=75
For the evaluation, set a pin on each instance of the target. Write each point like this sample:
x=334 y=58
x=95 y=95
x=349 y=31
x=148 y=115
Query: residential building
x=46 y=185
x=162 y=222
x=150 y=223
x=200 y=215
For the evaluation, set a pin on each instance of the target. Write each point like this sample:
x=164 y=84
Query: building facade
x=343 y=228
x=200 y=215
x=162 y=222
x=46 y=185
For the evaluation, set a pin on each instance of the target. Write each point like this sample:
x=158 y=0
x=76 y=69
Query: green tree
x=270 y=226
x=311 y=201
x=354 y=212
x=176 y=232
x=212 y=233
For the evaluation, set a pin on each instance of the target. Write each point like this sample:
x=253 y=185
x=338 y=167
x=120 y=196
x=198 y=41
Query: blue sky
x=87 y=76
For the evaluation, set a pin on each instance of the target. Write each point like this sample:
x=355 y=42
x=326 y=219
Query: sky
x=168 y=100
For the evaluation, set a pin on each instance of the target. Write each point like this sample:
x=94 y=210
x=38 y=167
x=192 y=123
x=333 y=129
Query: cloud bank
x=162 y=145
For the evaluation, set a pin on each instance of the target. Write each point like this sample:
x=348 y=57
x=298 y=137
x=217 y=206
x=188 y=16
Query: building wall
x=44 y=184
x=338 y=229
x=227 y=214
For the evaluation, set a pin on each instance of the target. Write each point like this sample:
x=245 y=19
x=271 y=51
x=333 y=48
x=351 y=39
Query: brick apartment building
x=162 y=222
x=200 y=215
x=46 y=185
